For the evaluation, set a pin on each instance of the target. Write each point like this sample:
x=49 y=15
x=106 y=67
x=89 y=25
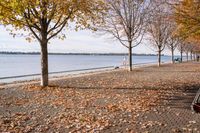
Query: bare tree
x=196 y=50
x=192 y=49
x=187 y=49
x=172 y=44
x=125 y=21
x=191 y=53
x=181 y=48
x=159 y=28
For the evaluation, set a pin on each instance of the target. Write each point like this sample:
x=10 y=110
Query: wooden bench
x=177 y=60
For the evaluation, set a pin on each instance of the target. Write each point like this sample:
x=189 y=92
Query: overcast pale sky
x=76 y=42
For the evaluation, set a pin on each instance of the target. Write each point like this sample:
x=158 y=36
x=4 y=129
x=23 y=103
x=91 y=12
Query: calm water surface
x=14 y=65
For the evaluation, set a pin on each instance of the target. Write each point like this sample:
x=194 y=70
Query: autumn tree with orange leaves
x=188 y=17
x=46 y=19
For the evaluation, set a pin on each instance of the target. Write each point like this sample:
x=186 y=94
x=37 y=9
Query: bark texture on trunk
x=191 y=57
x=44 y=63
x=130 y=56
x=172 y=50
x=181 y=56
x=159 y=58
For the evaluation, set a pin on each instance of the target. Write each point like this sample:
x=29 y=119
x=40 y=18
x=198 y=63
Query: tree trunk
x=181 y=56
x=172 y=50
x=44 y=63
x=191 y=56
x=159 y=58
x=194 y=57
x=130 y=56
x=187 y=55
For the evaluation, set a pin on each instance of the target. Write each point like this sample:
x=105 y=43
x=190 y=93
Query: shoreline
x=52 y=78
x=69 y=74
x=73 y=74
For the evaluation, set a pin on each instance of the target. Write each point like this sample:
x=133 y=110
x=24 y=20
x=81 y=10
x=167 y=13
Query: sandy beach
x=146 y=99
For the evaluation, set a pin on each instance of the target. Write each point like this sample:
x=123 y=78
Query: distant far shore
x=37 y=53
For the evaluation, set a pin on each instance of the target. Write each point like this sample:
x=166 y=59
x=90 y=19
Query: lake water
x=16 y=65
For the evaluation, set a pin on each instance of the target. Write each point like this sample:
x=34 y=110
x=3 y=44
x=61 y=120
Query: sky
x=75 y=42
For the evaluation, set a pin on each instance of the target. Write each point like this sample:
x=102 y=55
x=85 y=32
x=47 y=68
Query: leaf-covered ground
x=116 y=101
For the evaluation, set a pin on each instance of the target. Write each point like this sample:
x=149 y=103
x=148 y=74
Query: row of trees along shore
x=161 y=23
